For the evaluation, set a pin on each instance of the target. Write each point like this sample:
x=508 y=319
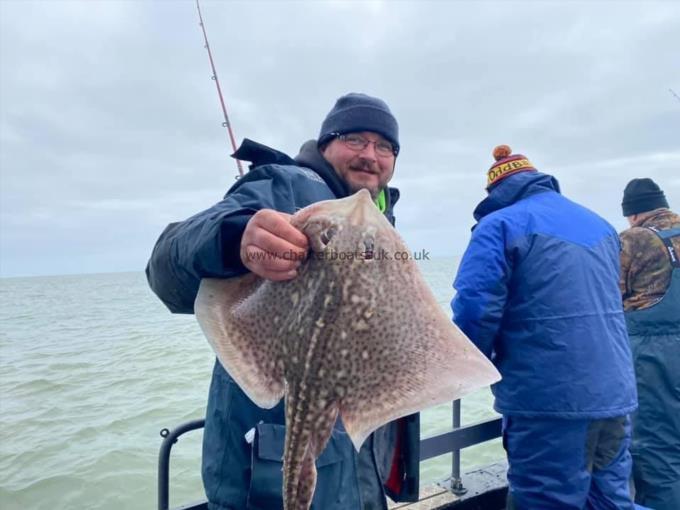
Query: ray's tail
x=307 y=433
x=299 y=472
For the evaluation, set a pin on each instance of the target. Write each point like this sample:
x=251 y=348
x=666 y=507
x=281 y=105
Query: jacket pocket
x=336 y=482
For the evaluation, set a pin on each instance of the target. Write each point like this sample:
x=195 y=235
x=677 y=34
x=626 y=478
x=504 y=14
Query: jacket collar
x=310 y=157
x=513 y=189
x=653 y=219
x=259 y=154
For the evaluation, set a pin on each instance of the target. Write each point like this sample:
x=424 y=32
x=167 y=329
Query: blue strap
x=666 y=236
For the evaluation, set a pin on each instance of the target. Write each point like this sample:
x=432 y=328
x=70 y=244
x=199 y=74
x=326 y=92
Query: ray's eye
x=369 y=248
x=327 y=235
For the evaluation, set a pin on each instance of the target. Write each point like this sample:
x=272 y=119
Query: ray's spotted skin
x=358 y=337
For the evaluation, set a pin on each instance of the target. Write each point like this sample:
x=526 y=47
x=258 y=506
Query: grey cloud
x=110 y=124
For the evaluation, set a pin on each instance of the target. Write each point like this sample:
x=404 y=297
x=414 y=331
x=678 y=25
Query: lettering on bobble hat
x=506 y=164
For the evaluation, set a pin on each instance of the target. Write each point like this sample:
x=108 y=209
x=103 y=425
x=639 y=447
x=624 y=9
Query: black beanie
x=642 y=195
x=359 y=112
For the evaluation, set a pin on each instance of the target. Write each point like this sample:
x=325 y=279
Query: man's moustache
x=364 y=168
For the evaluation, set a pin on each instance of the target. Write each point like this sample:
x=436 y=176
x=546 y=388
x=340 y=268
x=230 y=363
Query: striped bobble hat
x=506 y=164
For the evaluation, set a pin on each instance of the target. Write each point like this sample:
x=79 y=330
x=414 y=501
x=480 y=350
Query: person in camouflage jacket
x=645 y=268
x=650 y=288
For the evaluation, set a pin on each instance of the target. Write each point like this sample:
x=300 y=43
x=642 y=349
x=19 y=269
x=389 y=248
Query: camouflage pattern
x=645 y=265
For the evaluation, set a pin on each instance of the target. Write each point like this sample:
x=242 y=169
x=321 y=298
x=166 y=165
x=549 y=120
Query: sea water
x=92 y=367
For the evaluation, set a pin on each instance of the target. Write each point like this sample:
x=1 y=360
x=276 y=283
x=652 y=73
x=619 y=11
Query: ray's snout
x=362 y=207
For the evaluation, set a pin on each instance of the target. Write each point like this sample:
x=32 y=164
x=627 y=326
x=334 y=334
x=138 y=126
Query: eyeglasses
x=357 y=142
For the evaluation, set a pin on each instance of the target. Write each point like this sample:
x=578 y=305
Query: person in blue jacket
x=249 y=230
x=537 y=292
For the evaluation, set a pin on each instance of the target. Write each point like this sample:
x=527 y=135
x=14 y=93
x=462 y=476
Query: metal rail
x=456 y=440
x=456 y=482
x=170 y=437
x=434 y=446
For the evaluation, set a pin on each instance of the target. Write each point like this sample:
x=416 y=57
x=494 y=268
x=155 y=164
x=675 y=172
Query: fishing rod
x=226 y=122
x=673 y=92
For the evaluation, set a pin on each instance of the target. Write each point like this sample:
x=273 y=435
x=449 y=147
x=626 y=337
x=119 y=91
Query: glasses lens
x=355 y=141
x=384 y=148
x=358 y=143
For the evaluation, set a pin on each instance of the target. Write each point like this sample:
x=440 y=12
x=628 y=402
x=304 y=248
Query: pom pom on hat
x=506 y=164
x=501 y=151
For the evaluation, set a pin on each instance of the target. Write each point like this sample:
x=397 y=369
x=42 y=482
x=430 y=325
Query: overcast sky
x=111 y=127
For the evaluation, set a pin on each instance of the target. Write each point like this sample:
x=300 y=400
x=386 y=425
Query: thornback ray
x=357 y=333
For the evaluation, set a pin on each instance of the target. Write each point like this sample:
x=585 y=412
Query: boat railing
x=452 y=442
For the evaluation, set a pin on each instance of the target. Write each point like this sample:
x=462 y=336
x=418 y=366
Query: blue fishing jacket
x=242 y=443
x=537 y=292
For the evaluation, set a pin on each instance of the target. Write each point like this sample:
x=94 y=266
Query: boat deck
x=486 y=489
